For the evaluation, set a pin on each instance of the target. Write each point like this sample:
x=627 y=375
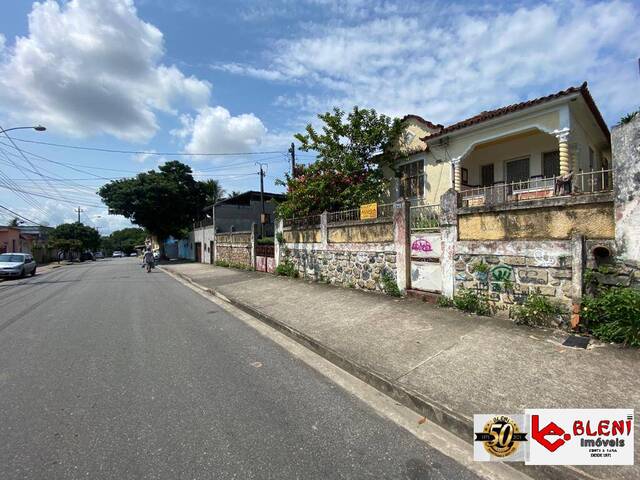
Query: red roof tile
x=433 y=126
x=487 y=115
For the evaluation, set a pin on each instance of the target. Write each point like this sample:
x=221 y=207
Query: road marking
x=428 y=432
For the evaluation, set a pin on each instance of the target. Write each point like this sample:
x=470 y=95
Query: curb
x=455 y=423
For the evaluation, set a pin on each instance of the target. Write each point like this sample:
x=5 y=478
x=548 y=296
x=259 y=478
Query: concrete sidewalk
x=440 y=362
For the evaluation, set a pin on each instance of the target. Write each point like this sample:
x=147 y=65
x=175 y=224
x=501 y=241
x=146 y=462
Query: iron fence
x=424 y=218
x=206 y=222
x=302 y=222
x=384 y=211
x=537 y=188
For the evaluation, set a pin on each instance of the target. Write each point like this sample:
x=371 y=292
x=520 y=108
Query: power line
x=22 y=217
x=59 y=199
x=143 y=152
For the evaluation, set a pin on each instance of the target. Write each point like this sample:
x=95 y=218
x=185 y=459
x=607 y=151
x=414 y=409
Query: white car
x=17 y=265
x=117 y=253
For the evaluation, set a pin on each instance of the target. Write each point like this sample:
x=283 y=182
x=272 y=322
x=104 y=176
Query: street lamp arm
x=38 y=128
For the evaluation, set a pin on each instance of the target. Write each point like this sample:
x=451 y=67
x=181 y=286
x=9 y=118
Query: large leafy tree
x=125 y=240
x=74 y=236
x=164 y=202
x=352 y=150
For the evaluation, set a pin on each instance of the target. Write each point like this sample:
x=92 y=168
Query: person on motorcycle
x=148 y=259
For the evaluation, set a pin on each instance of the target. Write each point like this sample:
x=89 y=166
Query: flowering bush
x=538 y=311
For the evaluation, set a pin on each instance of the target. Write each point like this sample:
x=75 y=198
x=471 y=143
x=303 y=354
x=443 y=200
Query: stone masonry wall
x=511 y=278
x=357 y=269
x=238 y=254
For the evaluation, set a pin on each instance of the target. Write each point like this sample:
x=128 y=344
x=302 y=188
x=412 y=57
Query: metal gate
x=426 y=248
x=265 y=258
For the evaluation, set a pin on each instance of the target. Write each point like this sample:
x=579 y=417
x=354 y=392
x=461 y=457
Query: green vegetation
x=265 y=241
x=445 y=302
x=226 y=264
x=74 y=237
x=613 y=315
x=389 y=284
x=469 y=301
x=165 y=202
x=348 y=172
x=628 y=118
x=124 y=240
x=537 y=311
x=287 y=268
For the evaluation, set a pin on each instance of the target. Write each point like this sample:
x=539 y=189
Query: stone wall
x=515 y=270
x=349 y=268
x=625 y=146
x=235 y=248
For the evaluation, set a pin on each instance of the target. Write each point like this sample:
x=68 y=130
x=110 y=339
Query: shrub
x=614 y=315
x=537 y=311
x=221 y=263
x=445 y=302
x=265 y=241
x=472 y=302
x=389 y=284
x=287 y=268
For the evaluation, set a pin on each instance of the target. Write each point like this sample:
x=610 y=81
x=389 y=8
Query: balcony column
x=563 y=147
x=457 y=174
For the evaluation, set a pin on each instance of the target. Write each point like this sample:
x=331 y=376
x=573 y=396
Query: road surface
x=109 y=372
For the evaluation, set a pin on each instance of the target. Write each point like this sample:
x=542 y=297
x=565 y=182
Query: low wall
x=235 y=248
x=374 y=232
x=549 y=220
x=516 y=269
x=350 y=265
x=303 y=235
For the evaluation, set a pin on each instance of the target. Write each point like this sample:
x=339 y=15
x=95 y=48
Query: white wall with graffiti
x=426 y=271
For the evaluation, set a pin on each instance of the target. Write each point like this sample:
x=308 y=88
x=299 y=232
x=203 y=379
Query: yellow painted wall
x=370 y=233
x=557 y=223
x=309 y=235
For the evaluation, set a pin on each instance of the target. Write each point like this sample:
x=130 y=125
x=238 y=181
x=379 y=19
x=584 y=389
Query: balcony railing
x=385 y=211
x=310 y=221
x=538 y=188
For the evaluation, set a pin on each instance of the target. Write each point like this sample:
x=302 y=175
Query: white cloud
x=90 y=67
x=215 y=130
x=448 y=67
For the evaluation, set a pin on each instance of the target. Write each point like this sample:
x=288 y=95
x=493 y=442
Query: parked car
x=84 y=256
x=133 y=254
x=17 y=265
x=117 y=253
x=98 y=255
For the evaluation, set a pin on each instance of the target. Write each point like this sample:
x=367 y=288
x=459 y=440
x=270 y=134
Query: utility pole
x=292 y=151
x=79 y=211
x=262 y=215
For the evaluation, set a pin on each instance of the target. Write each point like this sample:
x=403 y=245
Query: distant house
x=10 y=241
x=237 y=213
x=233 y=214
x=511 y=153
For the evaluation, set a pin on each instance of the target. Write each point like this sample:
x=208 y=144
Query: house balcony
x=537 y=188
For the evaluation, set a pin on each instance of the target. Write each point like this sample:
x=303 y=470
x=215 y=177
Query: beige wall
x=368 y=233
x=310 y=235
x=555 y=223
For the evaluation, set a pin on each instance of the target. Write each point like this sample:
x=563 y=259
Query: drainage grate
x=576 y=342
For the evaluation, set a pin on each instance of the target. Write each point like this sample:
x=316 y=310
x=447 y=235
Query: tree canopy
x=74 y=236
x=351 y=154
x=124 y=240
x=164 y=202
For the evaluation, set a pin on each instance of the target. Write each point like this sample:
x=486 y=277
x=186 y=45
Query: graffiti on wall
x=421 y=245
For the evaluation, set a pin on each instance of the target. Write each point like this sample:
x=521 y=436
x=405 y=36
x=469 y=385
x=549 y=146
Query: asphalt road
x=109 y=372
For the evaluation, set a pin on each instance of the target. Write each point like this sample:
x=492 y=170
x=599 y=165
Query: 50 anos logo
x=500 y=437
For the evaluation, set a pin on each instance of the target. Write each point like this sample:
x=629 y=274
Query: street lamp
x=37 y=128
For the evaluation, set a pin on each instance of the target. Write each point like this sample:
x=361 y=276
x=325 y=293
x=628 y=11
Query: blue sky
x=241 y=76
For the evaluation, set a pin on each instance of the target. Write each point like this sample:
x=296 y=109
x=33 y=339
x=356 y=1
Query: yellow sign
x=368 y=211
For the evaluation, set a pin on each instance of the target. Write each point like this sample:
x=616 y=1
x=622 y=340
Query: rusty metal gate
x=426 y=248
x=265 y=258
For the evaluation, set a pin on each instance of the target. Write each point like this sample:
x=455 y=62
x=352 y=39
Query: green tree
x=74 y=237
x=124 y=240
x=212 y=190
x=164 y=202
x=14 y=222
x=351 y=154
